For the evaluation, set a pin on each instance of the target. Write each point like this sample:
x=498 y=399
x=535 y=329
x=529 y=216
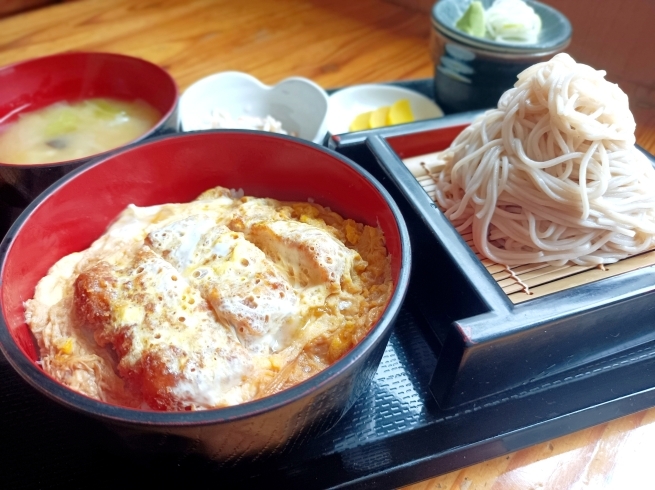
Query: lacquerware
x=395 y=433
x=33 y=84
x=490 y=344
x=77 y=209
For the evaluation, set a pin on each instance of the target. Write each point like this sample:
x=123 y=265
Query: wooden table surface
x=343 y=42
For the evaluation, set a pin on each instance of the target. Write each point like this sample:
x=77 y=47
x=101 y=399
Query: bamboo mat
x=529 y=281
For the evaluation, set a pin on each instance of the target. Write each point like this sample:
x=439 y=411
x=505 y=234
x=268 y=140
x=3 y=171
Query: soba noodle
x=552 y=175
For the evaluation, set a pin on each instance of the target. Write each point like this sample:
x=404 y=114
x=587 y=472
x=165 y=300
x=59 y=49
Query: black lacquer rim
x=127 y=416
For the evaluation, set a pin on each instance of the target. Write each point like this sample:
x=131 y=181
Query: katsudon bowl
x=77 y=209
x=104 y=79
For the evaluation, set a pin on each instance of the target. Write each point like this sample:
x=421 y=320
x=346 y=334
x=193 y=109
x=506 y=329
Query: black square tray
x=487 y=344
x=394 y=435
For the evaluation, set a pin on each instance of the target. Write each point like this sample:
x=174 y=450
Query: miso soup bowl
x=33 y=84
x=76 y=210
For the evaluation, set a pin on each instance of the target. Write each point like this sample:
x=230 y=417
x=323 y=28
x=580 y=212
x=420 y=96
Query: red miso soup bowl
x=70 y=77
x=77 y=209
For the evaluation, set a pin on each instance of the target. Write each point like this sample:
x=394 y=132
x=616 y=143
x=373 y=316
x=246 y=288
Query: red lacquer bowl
x=37 y=83
x=77 y=209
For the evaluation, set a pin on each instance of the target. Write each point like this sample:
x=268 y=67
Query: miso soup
x=66 y=131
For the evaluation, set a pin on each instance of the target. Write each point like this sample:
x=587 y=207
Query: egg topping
x=210 y=303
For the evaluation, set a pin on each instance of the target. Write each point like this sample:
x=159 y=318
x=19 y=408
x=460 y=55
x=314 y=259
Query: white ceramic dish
x=298 y=103
x=347 y=103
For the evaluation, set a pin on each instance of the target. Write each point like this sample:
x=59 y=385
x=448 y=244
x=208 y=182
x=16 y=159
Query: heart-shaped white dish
x=298 y=103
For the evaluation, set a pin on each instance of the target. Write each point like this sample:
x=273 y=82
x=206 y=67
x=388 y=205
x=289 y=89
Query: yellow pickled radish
x=400 y=112
x=379 y=117
x=360 y=122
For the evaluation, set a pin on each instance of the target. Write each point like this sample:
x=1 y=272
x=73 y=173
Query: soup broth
x=67 y=131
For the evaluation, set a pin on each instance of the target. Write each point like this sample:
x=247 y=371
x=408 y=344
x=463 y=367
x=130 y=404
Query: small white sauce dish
x=298 y=103
x=349 y=102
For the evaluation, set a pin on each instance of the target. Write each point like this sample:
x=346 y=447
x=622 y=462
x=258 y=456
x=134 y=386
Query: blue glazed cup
x=472 y=73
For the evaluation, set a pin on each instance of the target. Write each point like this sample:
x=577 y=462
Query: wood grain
x=332 y=42
x=12 y=7
x=342 y=42
x=618 y=37
x=614 y=455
